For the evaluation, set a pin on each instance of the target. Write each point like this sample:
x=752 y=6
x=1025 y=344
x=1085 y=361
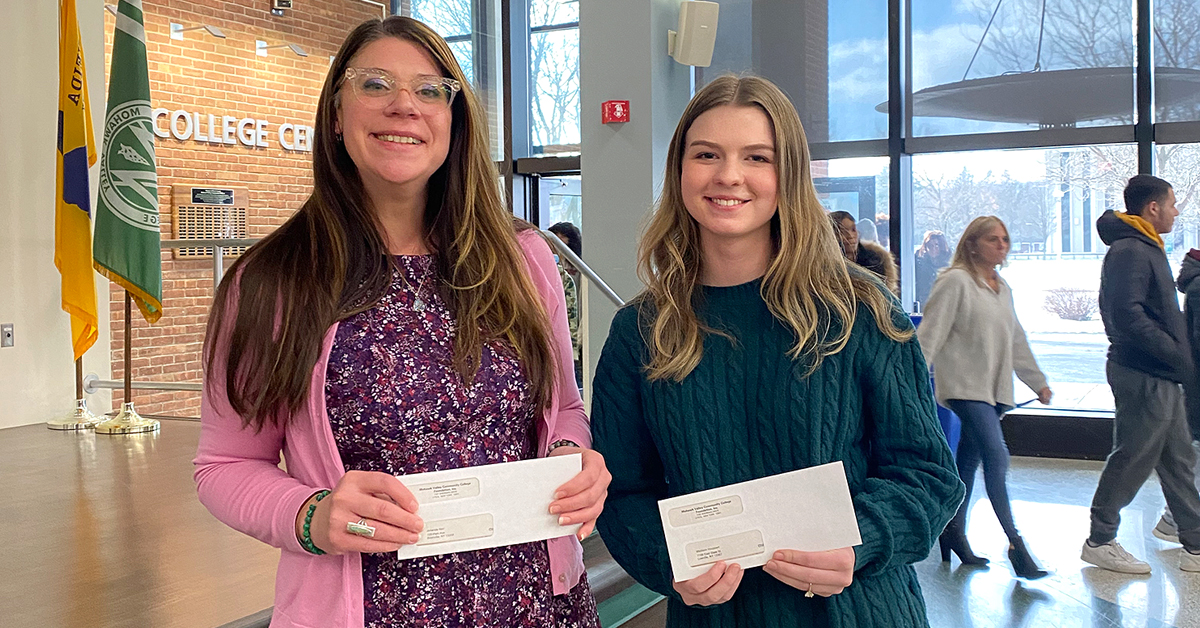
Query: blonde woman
x=756 y=349
x=400 y=322
x=974 y=342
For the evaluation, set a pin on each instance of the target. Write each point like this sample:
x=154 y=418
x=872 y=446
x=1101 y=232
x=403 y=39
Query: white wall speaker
x=693 y=43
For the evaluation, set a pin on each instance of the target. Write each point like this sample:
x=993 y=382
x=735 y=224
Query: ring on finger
x=808 y=592
x=360 y=528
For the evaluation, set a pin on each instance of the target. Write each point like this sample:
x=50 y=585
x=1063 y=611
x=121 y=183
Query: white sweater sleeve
x=941 y=309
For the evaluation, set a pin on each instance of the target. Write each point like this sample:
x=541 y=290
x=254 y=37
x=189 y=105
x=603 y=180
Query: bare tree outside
x=948 y=204
x=554 y=77
x=1076 y=34
x=1098 y=34
x=452 y=20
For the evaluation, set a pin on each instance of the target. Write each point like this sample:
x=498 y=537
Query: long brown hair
x=329 y=260
x=808 y=285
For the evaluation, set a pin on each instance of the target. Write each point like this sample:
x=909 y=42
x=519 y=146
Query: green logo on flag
x=128 y=181
x=126 y=244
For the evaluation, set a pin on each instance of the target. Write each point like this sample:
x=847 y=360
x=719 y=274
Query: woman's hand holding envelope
x=379 y=500
x=581 y=499
x=821 y=573
x=715 y=586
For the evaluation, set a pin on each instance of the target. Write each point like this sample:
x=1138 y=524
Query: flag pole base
x=80 y=419
x=128 y=421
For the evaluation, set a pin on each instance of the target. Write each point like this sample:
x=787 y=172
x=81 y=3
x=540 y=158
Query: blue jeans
x=983 y=441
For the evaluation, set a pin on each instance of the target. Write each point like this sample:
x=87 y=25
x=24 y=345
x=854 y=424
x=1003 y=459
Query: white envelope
x=488 y=506
x=745 y=523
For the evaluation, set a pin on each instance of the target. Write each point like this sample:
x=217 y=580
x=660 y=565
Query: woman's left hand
x=581 y=499
x=1044 y=396
x=823 y=573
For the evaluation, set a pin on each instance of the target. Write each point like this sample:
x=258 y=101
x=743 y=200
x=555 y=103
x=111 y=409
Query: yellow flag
x=72 y=212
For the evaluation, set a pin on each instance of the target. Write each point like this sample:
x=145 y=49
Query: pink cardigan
x=239 y=480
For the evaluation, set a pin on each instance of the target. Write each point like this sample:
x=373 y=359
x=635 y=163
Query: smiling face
x=397 y=145
x=728 y=179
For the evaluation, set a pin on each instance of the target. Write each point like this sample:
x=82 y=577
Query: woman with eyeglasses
x=399 y=322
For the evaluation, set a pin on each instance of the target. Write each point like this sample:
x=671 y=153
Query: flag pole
x=125 y=246
x=81 y=418
x=128 y=421
x=72 y=208
x=128 y=347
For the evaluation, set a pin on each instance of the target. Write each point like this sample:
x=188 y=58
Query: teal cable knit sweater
x=748 y=411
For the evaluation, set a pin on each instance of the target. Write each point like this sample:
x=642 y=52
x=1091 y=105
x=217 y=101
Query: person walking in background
x=883 y=229
x=932 y=256
x=865 y=253
x=1188 y=284
x=1149 y=361
x=400 y=322
x=756 y=349
x=569 y=234
x=867 y=232
x=973 y=341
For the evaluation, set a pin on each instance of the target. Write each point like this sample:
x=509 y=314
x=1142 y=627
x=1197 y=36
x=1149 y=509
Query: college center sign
x=223 y=129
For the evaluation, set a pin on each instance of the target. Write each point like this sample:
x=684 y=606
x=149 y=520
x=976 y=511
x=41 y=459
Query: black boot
x=953 y=539
x=1022 y=562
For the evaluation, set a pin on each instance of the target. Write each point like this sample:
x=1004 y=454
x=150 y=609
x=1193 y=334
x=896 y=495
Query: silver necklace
x=418 y=302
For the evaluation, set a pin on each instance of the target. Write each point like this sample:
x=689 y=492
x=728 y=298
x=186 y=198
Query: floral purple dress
x=396 y=405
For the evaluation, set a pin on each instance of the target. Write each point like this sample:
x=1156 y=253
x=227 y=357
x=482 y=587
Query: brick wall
x=206 y=75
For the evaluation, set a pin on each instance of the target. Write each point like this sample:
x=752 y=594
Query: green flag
x=127 y=234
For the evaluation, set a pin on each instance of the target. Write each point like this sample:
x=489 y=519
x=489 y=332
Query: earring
x=337 y=136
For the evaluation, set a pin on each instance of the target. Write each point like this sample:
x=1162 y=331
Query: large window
x=1180 y=165
x=829 y=56
x=472 y=28
x=1049 y=199
x=1177 y=60
x=452 y=20
x=554 y=76
x=988 y=66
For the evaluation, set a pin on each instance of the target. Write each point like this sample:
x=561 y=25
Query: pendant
x=418 y=305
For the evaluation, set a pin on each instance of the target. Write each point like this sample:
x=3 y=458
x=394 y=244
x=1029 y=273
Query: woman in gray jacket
x=972 y=338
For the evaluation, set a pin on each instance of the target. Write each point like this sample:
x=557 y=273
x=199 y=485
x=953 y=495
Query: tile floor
x=1050 y=503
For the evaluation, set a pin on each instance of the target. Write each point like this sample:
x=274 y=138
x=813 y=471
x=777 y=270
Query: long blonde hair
x=968 y=246
x=808 y=285
x=329 y=261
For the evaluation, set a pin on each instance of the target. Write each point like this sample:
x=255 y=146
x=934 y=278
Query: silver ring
x=808 y=592
x=361 y=528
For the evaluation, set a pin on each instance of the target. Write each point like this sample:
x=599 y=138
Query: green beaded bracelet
x=305 y=537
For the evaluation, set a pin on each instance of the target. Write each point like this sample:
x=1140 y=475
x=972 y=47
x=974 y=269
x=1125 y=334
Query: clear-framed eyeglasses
x=376 y=88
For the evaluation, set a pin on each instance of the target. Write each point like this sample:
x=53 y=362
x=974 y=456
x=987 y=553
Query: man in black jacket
x=1149 y=360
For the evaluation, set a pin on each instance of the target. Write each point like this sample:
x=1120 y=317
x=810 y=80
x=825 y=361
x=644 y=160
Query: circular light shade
x=1052 y=97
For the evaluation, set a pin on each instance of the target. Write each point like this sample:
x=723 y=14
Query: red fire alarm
x=614 y=111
